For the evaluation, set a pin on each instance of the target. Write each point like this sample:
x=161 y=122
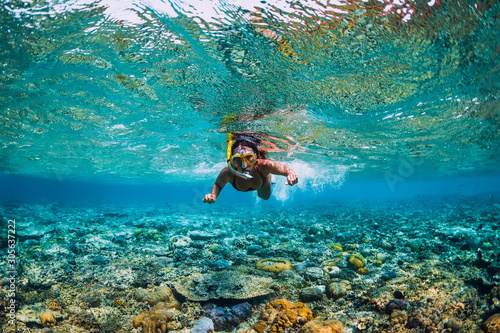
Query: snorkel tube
x=246 y=174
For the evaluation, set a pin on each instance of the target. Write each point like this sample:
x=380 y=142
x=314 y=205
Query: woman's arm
x=219 y=184
x=280 y=169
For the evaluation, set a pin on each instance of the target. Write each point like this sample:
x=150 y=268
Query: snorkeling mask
x=244 y=161
x=237 y=160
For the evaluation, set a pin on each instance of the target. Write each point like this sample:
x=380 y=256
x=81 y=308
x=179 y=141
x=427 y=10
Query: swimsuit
x=250 y=188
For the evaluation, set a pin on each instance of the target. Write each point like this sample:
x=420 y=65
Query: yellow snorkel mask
x=243 y=161
x=237 y=160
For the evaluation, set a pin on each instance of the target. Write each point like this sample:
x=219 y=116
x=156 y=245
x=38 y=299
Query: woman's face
x=243 y=150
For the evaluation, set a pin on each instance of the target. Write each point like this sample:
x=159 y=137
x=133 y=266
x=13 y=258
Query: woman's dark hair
x=250 y=141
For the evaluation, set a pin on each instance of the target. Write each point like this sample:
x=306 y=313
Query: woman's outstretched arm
x=277 y=168
x=219 y=184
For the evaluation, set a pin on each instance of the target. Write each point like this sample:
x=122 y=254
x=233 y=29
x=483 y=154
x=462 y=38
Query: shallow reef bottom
x=409 y=266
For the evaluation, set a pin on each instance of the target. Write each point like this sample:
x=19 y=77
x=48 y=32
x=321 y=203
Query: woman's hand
x=291 y=178
x=209 y=198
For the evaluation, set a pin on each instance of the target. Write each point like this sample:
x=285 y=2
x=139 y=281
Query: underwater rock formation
x=223 y=285
x=281 y=314
x=273 y=265
x=310 y=294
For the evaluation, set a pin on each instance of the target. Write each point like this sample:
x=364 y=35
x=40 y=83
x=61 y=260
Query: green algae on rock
x=223 y=285
x=356 y=261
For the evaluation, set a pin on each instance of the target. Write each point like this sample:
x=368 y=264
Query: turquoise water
x=147 y=90
x=114 y=124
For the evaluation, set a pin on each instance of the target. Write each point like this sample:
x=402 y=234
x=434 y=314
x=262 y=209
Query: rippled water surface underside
x=149 y=89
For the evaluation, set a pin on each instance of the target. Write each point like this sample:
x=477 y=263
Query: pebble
x=99 y=260
x=332 y=271
x=180 y=241
x=220 y=265
x=310 y=294
x=120 y=240
x=203 y=325
x=313 y=273
x=301 y=267
x=388 y=275
x=253 y=249
x=203 y=235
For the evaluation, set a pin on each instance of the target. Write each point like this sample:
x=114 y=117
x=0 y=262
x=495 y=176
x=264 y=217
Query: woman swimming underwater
x=249 y=170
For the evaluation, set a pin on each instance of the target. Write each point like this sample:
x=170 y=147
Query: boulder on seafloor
x=223 y=285
x=30 y=232
x=273 y=265
x=314 y=273
x=337 y=288
x=253 y=249
x=310 y=294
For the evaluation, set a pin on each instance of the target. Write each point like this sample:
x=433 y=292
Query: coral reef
x=55 y=306
x=322 y=326
x=273 y=265
x=399 y=304
x=155 y=320
x=356 y=261
x=47 y=319
x=162 y=294
x=94 y=282
x=224 y=284
x=427 y=319
x=492 y=324
x=337 y=288
x=227 y=319
x=204 y=325
x=281 y=314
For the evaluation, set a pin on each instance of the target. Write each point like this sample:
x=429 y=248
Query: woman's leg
x=265 y=191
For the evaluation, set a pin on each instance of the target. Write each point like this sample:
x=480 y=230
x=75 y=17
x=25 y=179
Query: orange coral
x=47 y=319
x=163 y=294
x=322 y=326
x=154 y=321
x=281 y=314
x=492 y=324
